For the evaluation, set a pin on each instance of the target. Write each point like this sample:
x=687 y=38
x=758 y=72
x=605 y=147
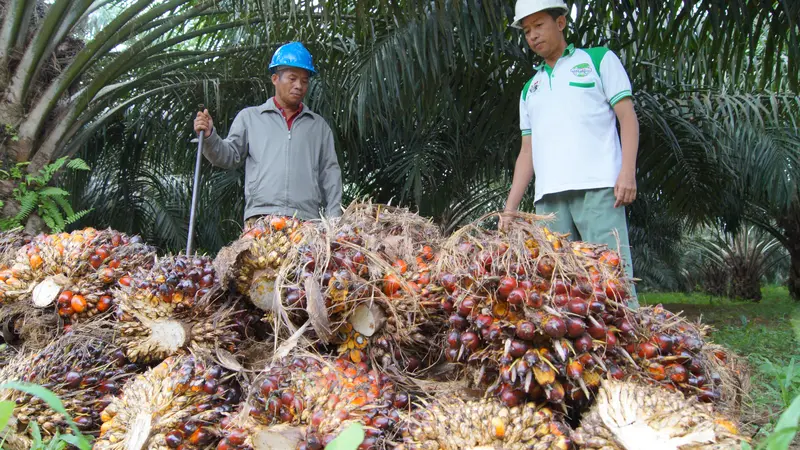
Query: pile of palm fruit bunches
x=480 y=339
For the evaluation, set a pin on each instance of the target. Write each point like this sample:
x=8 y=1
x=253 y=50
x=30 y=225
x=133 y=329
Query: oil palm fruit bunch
x=448 y=422
x=177 y=404
x=251 y=263
x=85 y=371
x=322 y=396
x=675 y=354
x=76 y=270
x=628 y=414
x=531 y=314
x=172 y=306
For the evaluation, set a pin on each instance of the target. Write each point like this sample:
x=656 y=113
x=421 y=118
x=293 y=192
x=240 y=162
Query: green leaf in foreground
x=349 y=439
x=6 y=408
x=55 y=404
x=785 y=429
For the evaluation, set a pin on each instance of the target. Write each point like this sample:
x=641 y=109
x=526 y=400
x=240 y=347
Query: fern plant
x=34 y=194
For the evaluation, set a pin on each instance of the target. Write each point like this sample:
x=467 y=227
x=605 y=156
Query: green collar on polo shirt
x=567 y=52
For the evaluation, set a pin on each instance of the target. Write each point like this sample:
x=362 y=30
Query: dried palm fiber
x=82 y=368
x=676 y=354
x=32 y=328
x=450 y=422
x=250 y=264
x=366 y=279
x=174 y=305
x=178 y=403
x=531 y=315
x=318 y=398
x=7 y=354
x=629 y=415
x=74 y=270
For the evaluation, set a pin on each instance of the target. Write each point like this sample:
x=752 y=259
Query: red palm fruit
x=174 y=439
x=526 y=285
x=614 y=371
x=581 y=289
x=611 y=339
x=78 y=303
x=555 y=327
x=466 y=307
x=695 y=366
x=517 y=297
x=614 y=290
x=507 y=284
x=95 y=261
x=470 y=340
x=656 y=371
x=448 y=305
x=534 y=300
x=518 y=348
x=597 y=329
x=560 y=287
x=454 y=339
x=583 y=343
x=65 y=298
x=664 y=342
x=677 y=373
x=555 y=392
x=526 y=330
x=708 y=395
x=647 y=350
x=512 y=397
x=578 y=306
x=626 y=329
x=458 y=322
x=545 y=267
x=575 y=369
x=597 y=307
x=561 y=300
x=483 y=321
x=610 y=258
x=575 y=327
x=449 y=281
x=104 y=303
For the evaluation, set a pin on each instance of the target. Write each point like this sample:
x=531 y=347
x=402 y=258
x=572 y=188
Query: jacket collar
x=269 y=105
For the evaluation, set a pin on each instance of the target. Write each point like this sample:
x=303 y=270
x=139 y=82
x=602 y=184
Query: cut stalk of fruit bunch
x=85 y=371
x=449 y=422
x=177 y=404
x=172 y=306
x=628 y=414
x=251 y=263
x=322 y=397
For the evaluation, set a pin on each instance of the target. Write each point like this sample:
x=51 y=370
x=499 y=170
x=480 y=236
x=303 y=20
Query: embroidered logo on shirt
x=534 y=87
x=581 y=70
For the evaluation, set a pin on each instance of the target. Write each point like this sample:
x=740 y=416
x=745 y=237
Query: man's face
x=291 y=85
x=543 y=33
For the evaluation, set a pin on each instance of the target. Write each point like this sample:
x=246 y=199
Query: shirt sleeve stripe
x=526 y=132
x=615 y=99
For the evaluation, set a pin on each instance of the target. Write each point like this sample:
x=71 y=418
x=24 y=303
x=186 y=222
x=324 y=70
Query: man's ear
x=561 y=22
x=275 y=77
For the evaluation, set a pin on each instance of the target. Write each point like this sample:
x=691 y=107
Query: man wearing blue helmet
x=291 y=168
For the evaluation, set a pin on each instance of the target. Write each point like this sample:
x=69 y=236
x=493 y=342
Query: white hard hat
x=525 y=8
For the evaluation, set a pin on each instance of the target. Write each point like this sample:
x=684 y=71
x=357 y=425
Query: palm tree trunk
x=790 y=223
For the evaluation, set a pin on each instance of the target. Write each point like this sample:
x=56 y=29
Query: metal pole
x=195 y=190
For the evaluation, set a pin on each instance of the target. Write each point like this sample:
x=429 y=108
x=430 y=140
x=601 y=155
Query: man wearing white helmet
x=291 y=168
x=585 y=170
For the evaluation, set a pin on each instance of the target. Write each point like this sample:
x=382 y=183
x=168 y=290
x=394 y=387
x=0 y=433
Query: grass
x=766 y=333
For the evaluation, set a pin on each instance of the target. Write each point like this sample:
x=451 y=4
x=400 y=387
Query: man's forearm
x=523 y=173
x=629 y=137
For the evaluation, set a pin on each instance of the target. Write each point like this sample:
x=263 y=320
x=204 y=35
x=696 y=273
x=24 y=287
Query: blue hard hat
x=292 y=54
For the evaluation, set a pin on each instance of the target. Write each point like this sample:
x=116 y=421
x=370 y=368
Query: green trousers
x=590 y=216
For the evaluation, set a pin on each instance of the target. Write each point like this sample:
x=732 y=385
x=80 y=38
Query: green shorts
x=590 y=216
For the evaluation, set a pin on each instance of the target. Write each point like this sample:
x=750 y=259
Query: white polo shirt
x=568 y=112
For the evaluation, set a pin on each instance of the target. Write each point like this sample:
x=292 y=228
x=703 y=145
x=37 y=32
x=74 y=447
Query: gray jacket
x=292 y=173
